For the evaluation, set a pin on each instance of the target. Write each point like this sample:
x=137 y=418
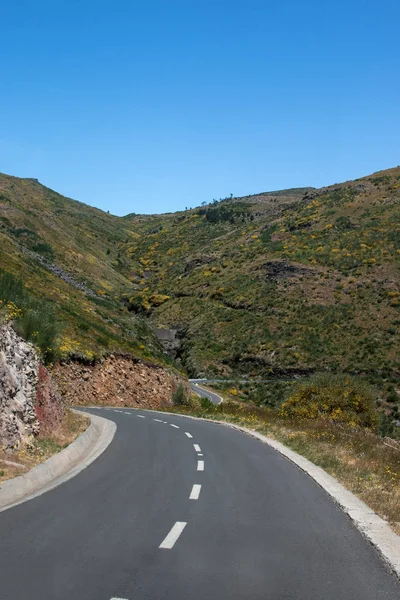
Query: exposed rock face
x=169 y=339
x=19 y=372
x=48 y=405
x=117 y=381
x=29 y=403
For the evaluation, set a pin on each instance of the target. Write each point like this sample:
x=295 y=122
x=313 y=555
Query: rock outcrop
x=19 y=373
x=29 y=403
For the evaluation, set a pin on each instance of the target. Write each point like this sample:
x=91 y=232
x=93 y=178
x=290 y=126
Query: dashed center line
x=141 y=416
x=176 y=426
x=197 y=447
x=188 y=434
x=200 y=454
x=158 y=420
x=126 y=413
x=200 y=465
x=118 y=598
x=173 y=535
x=195 y=493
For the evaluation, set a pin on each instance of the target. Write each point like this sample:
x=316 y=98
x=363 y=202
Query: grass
x=41 y=448
x=359 y=459
x=34 y=320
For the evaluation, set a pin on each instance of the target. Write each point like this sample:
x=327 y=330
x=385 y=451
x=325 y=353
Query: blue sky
x=151 y=106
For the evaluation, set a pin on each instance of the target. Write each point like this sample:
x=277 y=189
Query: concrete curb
x=373 y=527
x=62 y=466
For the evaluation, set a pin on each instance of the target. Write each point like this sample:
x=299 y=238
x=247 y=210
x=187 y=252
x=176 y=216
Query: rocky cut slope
x=29 y=403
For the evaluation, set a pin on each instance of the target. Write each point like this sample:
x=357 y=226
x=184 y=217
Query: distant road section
x=200 y=391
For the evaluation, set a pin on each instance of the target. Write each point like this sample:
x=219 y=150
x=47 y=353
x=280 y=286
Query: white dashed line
x=200 y=465
x=188 y=434
x=141 y=416
x=173 y=535
x=118 y=598
x=126 y=413
x=200 y=454
x=158 y=420
x=176 y=426
x=197 y=447
x=195 y=493
x=166 y=422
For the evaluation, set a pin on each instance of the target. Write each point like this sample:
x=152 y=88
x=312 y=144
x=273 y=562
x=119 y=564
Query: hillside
x=66 y=252
x=279 y=282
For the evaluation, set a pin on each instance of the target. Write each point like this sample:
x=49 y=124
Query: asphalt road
x=215 y=398
x=257 y=528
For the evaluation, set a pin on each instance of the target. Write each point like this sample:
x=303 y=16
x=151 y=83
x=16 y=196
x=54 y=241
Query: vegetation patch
x=34 y=320
x=340 y=398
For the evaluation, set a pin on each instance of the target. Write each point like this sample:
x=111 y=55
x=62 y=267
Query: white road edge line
x=200 y=465
x=195 y=493
x=188 y=434
x=176 y=426
x=173 y=535
x=197 y=447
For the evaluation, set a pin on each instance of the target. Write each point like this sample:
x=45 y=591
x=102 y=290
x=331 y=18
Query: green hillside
x=280 y=282
x=66 y=252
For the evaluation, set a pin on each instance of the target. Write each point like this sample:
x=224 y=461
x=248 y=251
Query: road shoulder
x=62 y=466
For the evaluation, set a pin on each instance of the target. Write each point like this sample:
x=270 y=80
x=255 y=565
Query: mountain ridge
x=230 y=276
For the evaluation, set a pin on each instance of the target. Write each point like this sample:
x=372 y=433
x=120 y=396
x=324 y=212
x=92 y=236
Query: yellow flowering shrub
x=335 y=398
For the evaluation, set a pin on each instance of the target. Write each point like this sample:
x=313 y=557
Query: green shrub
x=333 y=397
x=180 y=397
x=33 y=320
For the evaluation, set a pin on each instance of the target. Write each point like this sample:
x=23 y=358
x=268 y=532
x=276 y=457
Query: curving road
x=179 y=509
x=203 y=393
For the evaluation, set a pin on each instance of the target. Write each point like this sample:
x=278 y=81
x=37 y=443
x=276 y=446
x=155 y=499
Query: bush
x=339 y=398
x=180 y=397
x=33 y=320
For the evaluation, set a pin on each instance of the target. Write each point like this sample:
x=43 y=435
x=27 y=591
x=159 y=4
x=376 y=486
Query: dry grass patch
x=42 y=447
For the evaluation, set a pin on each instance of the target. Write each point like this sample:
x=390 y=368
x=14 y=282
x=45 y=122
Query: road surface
x=215 y=398
x=179 y=509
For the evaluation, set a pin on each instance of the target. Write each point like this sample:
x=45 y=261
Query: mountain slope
x=291 y=281
x=65 y=251
x=275 y=282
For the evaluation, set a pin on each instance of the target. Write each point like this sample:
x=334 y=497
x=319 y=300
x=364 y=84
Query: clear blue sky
x=151 y=106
